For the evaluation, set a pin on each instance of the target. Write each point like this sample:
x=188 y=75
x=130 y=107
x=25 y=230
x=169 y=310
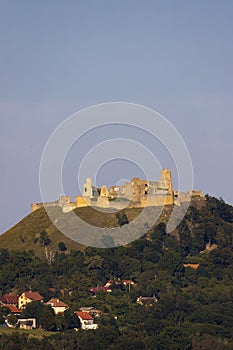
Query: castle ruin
x=134 y=194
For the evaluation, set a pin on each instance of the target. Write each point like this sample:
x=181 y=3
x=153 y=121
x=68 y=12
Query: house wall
x=23 y=300
x=27 y=323
x=59 y=309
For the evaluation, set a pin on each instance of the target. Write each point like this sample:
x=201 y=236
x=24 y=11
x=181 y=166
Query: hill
x=30 y=232
x=26 y=235
x=188 y=274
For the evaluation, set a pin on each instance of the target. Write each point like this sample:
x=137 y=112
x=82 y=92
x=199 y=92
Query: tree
x=44 y=315
x=71 y=319
x=60 y=322
x=33 y=309
x=62 y=246
x=44 y=238
x=173 y=338
x=50 y=255
x=12 y=319
x=170 y=261
x=131 y=267
x=122 y=218
x=4 y=311
x=47 y=318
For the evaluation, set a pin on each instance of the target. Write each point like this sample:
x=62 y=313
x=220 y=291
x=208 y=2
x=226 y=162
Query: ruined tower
x=166 y=181
x=103 y=200
x=87 y=188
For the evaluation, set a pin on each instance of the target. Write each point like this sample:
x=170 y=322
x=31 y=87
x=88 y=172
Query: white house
x=26 y=323
x=87 y=321
x=58 y=306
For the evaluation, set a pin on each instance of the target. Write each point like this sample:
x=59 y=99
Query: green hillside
x=187 y=274
x=26 y=235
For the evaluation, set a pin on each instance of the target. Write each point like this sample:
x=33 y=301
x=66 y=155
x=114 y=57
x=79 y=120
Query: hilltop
x=29 y=233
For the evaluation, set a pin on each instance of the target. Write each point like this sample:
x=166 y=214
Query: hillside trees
x=190 y=301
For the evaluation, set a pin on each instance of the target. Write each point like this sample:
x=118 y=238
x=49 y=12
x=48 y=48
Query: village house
x=9 y=299
x=13 y=309
x=121 y=283
x=100 y=289
x=57 y=305
x=109 y=283
x=26 y=323
x=28 y=297
x=147 y=301
x=129 y=282
x=86 y=308
x=87 y=321
x=91 y=310
x=95 y=312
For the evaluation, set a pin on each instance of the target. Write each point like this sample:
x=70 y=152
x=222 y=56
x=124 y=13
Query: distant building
x=137 y=193
x=58 y=306
x=147 y=301
x=129 y=283
x=13 y=309
x=119 y=282
x=28 y=297
x=100 y=289
x=10 y=299
x=87 y=321
x=91 y=310
x=192 y=266
x=26 y=323
x=86 y=308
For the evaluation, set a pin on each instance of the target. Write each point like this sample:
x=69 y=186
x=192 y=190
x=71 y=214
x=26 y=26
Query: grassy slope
x=34 y=333
x=25 y=235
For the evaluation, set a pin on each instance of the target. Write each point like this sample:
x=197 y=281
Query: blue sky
x=59 y=56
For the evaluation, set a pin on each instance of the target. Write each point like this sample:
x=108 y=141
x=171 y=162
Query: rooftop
x=84 y=315
x=56 y=303
x=9 y=299
x=33 y=296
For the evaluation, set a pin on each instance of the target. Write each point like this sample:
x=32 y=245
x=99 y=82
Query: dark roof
x=99 y=289
x=9 y=299
x=12 y=308
x=34 y=296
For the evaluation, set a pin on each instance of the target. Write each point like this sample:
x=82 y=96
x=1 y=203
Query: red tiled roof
x=84 y=315
x=9 y=299
x=12 y=308
x=56 y=303
x=34 y=296
x=99 y=289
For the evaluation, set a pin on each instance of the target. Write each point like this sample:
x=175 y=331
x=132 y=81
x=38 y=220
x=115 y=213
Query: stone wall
x=81 y=202
x=137 y=193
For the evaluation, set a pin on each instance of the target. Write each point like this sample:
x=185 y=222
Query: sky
x=57 y=57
